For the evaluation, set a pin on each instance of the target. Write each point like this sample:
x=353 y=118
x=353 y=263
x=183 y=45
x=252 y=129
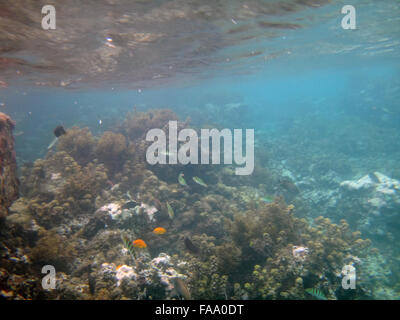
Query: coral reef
x=8 y=166
x=111 y=150
x=52 y=249
x=137 y=124
x=58 y=187
x=84 y=205
x=378 y=200
x=79 y=144
x=288 y=255
x=369 y=204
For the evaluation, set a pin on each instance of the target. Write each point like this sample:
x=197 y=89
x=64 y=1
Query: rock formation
x=8 y=166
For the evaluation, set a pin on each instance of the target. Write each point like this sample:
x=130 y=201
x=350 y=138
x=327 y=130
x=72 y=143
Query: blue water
x=271 y=100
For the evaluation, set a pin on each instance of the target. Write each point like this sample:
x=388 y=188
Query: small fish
x=92 y=283
x=129 y=246
x=129 y=195
x=129 y=204
x=58 y=131
x=190 y=246
x=159 y=230
x=199 y=181
x=267 y=199
x=316 y=293
x=170 y=211
x=114 y=186
x=51 y=145
x=182 y=180
x=139 y=243
x=181 y=289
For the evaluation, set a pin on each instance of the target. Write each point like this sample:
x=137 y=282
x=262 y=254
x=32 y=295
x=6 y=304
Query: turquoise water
x=323 y=102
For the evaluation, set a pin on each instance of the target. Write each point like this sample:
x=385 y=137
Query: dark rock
x=8 y=166
x=99 y=221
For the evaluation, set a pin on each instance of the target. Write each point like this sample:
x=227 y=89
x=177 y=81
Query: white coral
x=113 y=209
x=300 y=253
x=123 y=272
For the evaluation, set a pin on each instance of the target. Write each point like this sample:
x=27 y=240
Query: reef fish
x=267 y=199
x=181 y=289
x=199 y=181
x=92 y=283
x=129 y=204
x=182 y=180
x=159 y=230
x=316 y=293
x=51 y=145
x=58 y=131
x=190 y=246
x=139 y=243
x=171 y=213
x=129 y=246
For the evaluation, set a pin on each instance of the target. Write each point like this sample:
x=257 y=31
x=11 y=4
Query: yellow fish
x=139 y=243
x=170 y=211
x=159 y=230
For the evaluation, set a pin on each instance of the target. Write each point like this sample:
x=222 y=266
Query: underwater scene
x=199 y=150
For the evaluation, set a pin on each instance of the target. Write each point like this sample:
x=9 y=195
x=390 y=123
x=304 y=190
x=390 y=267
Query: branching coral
x=86 y=183
x=111 y=150
x=245 y=248
x=79 y=144
x=137 y=124
x=205 y=280
x=289 y=255
x=258 y=232
x=60 y=188
x=54 y=250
